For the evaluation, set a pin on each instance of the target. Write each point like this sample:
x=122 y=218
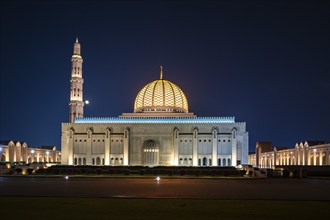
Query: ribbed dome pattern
x=161 y=95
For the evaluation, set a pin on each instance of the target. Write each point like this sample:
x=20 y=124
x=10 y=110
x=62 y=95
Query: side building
x=160 y=132
x=306 y=153
x=16 y=151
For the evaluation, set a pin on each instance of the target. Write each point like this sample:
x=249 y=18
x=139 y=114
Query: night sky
x=265 y=62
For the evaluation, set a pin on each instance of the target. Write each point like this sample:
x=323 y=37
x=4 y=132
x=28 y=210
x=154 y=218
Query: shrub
x=286 y=173
x=242 y=172
x=99 y=171
x=18 y=170
x=10 y=172
x=213 y=172
x=30 y=171
x=40 y=171
x=127 y=172
x=105 y=172
x=112 y=171
x=182 y=172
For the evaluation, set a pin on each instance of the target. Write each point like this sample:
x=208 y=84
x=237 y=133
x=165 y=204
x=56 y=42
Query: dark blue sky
x=265 y=62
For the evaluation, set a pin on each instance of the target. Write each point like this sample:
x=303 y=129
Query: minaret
x=76 y=91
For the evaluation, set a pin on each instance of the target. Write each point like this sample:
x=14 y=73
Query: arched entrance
x=3 y=157
x=150 y=153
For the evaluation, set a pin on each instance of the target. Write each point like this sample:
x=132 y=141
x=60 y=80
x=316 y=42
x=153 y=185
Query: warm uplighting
x=161 y=95
x=32 y=151
x=157 y=178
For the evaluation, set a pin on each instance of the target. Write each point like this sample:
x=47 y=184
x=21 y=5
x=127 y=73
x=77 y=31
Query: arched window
x=84 y=161
x=93 y=161
x=229 y=162
x=312 y=160
x=180 y=161
x=185 y=161
x=199 y=162
x=210 y=162
x=204 y=161
x=219 y=162
x=323 y=160
x=190 y=162
x=98 y=161
x=224 y=162
x=75 y=161
x=317 y=160
x=79 y=161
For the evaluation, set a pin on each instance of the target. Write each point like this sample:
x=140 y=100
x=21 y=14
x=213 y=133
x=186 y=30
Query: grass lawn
x=128 y=208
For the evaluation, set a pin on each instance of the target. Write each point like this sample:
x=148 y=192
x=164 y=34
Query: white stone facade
x=304 y=154
x=15 y=151
x=155 y=142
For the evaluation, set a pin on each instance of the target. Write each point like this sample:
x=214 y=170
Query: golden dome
x=161 y=96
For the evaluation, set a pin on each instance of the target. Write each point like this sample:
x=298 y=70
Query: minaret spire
x=161 y=72
x=76 y=91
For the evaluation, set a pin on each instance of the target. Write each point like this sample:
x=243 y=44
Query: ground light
x=157 y=178
x=66 y=177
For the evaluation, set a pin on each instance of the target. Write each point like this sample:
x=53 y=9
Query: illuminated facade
x=15 y=151
x=161 y=95
x=160 y=132
x=308 y=153
x=76 y=90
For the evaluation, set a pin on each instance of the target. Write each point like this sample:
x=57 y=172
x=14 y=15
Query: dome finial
x=161 y=72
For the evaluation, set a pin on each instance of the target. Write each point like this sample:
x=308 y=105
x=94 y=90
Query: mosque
x=160 y=132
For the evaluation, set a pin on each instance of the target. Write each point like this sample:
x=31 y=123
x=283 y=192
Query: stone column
x=214 y=147
x=126 y=147
x=69 y=151
x=195 y=147
x=89 y=143
x=175 y=146
x=233 y=148
x=107 y=142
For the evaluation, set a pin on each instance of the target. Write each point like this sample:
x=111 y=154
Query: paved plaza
x=259 y=189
